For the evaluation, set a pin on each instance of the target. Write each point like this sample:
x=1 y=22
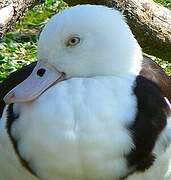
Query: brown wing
x=12 y=80
x=155 y=73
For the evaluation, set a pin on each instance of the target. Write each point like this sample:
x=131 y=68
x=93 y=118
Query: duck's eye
x=73 y=41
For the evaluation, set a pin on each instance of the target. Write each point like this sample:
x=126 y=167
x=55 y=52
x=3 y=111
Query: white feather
x=80 y=131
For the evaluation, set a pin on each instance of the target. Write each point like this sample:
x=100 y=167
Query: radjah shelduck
x=85 y=112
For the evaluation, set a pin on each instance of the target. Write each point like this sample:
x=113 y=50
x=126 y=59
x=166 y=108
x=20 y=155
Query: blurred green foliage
x=19 y=46
x=166 y=3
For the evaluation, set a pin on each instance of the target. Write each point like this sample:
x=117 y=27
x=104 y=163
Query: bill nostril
x=41 y=72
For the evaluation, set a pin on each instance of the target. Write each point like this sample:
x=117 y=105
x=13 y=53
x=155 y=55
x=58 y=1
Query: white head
x=105 y=45
x=81 y=41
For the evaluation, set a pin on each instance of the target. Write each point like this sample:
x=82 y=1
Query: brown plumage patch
x=151 y=119
x=13 y=80
x=155 y=73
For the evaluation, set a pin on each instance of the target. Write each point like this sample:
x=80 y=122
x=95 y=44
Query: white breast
x=77 y=129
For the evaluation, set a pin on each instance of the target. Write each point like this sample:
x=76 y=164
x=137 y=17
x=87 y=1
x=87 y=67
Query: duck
x=85 y=111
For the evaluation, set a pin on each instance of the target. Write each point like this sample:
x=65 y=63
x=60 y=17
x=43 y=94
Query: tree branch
x=11 y=11
x=149 y=21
